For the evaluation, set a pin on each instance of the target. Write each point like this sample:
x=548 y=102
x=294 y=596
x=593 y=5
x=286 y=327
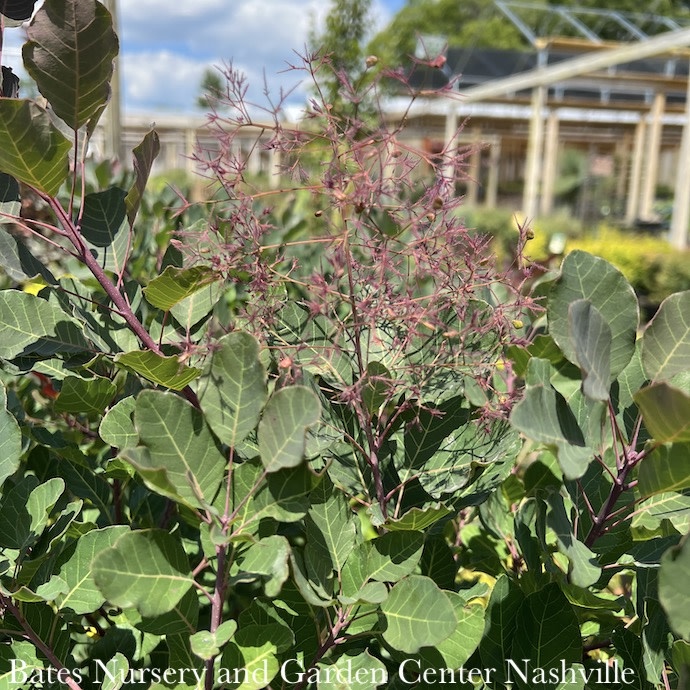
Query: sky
x=167 y=44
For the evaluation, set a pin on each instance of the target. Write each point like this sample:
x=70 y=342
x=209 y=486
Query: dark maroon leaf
x=9 y=86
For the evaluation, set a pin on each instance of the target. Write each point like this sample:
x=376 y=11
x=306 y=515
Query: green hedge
x=652 y=266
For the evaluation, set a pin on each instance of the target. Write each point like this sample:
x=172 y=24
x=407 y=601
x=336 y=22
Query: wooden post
x=451 y=140
x=550 y=163
x=651 y=166
x=494 y=172
x=474 y=172
x=535 y=146
x=633 y=203
x=681 y=198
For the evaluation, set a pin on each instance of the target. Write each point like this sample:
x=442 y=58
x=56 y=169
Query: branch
x=121 y=304
x=333 y=639
x=64 y=673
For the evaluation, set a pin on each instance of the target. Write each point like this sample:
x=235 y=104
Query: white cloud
x=166 y=45
x=176 y=40
x=237 y=29
x=160 y=80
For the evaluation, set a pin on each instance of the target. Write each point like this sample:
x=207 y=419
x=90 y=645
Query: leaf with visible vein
x=70 y=55
x=85 y=396
x=665 y=411
x=464 y=640
x=330 y=524
x=175 y=284
x=547 y=633
x=165 y=371
x=10 y=439
x=283 y=426
x=394 y=555
x=543 y=415
x=666 y=469
x=418 y=614
x=140 y=563
x=180 y=443
x=591 y=278
x=105 y=229
x=81 y=594
x=32 y=149
x=591 y=338
x=666 y=340
x=500 y=624
x=29 y=323
x=419 y=518
x=670 y=505
x=234 y=391
x=117 y=426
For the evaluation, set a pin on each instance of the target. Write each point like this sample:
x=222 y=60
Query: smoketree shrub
x=316 y=439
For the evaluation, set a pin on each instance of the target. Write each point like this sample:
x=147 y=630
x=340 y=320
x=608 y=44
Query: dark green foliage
x=211 y=88
x=325 y=436
x=342 y=43
x=479 y=23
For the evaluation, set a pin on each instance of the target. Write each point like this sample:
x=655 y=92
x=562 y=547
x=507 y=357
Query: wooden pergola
x=537 y=101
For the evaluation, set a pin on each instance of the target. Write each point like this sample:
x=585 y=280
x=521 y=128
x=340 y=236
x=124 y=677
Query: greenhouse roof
x=558 y=34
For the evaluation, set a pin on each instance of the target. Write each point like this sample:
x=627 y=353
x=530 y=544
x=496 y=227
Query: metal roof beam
x=522 y=27
x=632 y=23
x=657 y=19
x=633 y=30
x=580 y=26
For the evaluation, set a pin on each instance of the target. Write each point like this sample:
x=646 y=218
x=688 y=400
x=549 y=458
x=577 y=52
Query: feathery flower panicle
x=358 y=267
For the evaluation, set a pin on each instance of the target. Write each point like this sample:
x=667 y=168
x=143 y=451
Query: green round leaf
x=666 y=412
x=233 y=391
x=85 y=396
x=283 y=427
x=117 y=426
x=147 y=570
x=587 y=277
x=674 y=576
x=116 y=673
x=81 y=594
x=180 y=443
x=353 y=672
x=418 y=614
x=394 y=555
x=460 y=646
x=666 y=341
